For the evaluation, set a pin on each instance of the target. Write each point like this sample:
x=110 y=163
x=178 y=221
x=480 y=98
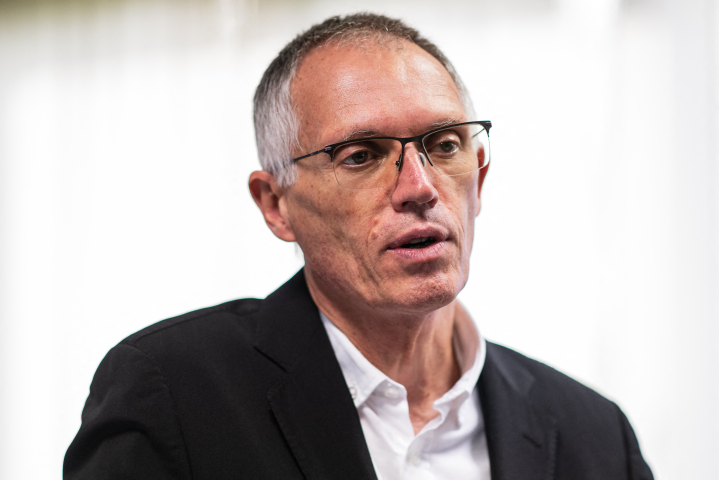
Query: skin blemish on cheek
x=376 y=231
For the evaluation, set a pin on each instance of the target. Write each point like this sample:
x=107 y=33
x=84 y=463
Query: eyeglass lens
x=372 y=163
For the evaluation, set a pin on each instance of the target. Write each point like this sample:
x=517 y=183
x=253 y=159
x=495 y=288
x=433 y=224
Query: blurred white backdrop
x=126 y=142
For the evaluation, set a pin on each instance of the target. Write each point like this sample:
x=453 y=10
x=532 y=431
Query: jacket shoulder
x=552 y=388
x=230 y=319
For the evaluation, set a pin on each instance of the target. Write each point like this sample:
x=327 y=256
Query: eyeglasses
x=375 y=162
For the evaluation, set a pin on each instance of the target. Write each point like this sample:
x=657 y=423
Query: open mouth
x=419 y=242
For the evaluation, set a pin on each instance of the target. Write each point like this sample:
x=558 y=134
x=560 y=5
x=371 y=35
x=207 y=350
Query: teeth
x=418 y=240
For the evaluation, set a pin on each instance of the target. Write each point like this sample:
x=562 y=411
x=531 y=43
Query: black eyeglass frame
x=330 y=149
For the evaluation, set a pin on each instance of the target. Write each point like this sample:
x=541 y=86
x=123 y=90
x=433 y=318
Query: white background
x=126 y=143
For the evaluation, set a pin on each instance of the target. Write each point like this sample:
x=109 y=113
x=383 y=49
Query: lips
x=419 y=238
x=419 y=242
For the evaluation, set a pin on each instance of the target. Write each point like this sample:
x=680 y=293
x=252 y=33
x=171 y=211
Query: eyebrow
x=369 y=133
x=443 y=123
x=363 y=133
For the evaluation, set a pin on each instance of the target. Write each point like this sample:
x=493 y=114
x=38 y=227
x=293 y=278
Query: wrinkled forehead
x=392 y=86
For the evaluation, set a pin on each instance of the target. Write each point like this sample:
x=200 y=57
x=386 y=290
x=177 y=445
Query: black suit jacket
x=252 y=389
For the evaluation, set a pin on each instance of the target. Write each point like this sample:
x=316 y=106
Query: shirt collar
x=361 y=376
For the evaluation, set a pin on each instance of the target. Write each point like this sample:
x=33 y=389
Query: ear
x=272 y=202
x=482 y=175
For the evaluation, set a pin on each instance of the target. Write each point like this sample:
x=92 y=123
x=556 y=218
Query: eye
x=445 y=144
x=357 y=158
x=360 y=155
x=448 y=147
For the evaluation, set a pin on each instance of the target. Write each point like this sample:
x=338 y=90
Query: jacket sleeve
x=637 y=466
x=129 y=426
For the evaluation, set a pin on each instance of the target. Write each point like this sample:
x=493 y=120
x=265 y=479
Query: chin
x=426 y=294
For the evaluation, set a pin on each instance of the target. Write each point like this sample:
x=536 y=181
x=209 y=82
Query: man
x=363 y=365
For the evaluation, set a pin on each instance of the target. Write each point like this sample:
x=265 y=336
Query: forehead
x=395 y=88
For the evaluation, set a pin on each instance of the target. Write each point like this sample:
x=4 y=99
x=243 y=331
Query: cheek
x=462 y=201
x=331 y=224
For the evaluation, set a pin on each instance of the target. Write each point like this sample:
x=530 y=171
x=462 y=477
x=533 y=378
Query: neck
x=414 y=350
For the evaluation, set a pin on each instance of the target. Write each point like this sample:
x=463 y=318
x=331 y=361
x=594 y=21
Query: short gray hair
x=276 y=122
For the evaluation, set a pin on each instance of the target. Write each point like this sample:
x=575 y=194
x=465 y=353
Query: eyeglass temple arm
x=324 y=150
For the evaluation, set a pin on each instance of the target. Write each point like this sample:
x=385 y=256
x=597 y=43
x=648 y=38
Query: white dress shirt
x=452 y=446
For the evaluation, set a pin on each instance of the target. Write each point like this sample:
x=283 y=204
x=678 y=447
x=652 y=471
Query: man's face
x=355 y=242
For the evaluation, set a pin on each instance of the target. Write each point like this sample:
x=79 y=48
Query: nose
x=414 y=185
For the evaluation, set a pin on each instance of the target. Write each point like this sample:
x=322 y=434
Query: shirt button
x=353 y=392
x=414 y=458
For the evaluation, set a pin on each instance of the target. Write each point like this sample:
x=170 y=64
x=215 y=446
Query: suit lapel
x=521 y=441
x=312 y=404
